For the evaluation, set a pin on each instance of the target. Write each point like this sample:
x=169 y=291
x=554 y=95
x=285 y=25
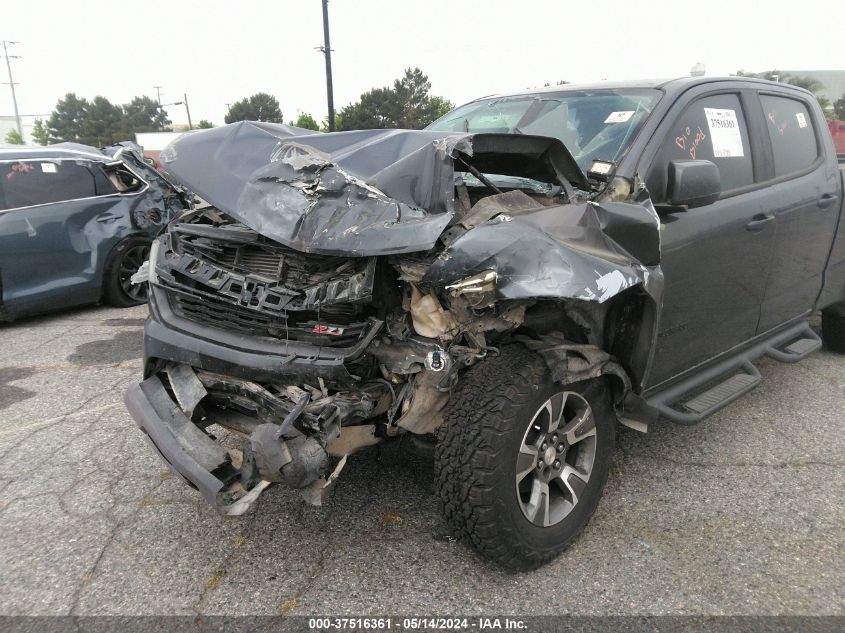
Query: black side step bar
x=701 y=395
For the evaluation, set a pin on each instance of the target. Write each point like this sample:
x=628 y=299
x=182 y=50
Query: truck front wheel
x=522 y=461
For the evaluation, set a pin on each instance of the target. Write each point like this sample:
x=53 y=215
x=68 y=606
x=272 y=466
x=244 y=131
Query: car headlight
x=153 y=276
x=479 y=290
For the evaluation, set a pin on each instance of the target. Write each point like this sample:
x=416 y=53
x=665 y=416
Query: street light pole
x=158 y=94
x=12 y=86
x=327 y=51
x=188 y=110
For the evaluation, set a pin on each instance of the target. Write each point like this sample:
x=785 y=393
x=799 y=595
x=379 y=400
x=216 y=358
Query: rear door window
x=30 y=183
x=790 y=128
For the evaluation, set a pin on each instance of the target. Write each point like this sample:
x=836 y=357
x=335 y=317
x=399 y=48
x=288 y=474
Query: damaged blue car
x=76 y=223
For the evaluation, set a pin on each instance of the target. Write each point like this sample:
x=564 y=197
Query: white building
x=154 y=142
x=7 y=124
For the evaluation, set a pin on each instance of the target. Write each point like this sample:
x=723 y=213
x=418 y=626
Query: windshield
x=592 y=124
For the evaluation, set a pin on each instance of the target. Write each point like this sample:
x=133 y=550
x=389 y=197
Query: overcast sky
x=219 y=52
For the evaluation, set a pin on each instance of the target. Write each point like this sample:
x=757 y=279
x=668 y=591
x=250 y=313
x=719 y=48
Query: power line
x=12 y=83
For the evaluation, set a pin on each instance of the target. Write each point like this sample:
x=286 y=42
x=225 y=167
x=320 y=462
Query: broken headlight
x=479 y=290
x=153 y=258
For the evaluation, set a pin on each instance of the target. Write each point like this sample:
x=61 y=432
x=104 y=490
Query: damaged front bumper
x=198 y=375
x=230 y=478
x=189 y=452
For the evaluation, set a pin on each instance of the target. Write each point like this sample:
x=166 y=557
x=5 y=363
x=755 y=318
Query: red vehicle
x=837 y=131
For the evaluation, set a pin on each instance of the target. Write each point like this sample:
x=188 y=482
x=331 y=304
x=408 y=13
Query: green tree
x=438 y=107
x=411 y=100
x=374 y=110
x=813 y=85
x=306 y=121
x=103 y=123
x=142 y=114
x=802 y=81
x=839 y=108
x=338 y=123
x=407 y=104
x=99 y=122
x=807 y=83
x=40 y=133
x=258 y=107
x=13 y=137
x=205 y=124
x=770 y=75
x=66 y=121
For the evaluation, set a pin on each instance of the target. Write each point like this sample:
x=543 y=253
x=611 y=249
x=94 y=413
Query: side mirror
x=693 y=183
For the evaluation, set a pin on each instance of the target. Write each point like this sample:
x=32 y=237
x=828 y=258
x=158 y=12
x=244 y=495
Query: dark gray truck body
x=341 y=284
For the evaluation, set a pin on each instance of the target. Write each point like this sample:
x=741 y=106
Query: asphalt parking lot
x=740 y=515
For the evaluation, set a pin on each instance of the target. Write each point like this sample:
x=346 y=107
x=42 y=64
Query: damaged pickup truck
x=504 y=287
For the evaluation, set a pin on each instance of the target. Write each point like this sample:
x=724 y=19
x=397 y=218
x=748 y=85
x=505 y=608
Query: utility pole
x=327 y=51
x=12 y=84
x=188 y=110
x=158 y=94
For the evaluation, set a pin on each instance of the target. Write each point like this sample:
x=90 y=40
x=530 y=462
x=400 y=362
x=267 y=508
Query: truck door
x=714 y=257
x=803 y=200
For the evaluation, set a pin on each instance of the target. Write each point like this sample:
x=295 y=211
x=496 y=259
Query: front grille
x=297 y=327
x=246 y=283
x=254 y=259
x=292 y=269
x=222 y=314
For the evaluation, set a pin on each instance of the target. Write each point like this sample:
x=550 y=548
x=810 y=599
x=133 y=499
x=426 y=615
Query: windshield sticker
x=600 y=167
x=724 y=132
x=802 y=120
x=619 y=117
x=48 y=168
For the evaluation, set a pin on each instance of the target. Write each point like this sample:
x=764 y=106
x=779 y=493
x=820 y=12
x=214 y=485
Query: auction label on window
x=724 y=132
x=619 y=117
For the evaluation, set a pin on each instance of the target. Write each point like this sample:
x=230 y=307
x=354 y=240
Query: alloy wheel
x=131 y=261
x=555 y=458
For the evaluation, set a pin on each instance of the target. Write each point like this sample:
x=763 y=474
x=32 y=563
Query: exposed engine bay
x=310 y=311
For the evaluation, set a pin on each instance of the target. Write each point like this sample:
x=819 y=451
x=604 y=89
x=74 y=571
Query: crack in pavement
x=36 y=464
x=118 y=525
x=37 y=426
x=319 y=566
x=221 y=567
x=331 y=539
x=75 y=412
x=132 y=364
x=750 y=464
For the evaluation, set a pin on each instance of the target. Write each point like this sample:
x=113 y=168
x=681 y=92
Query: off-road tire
x=485 y=421
x=833 y=327
x=117 y=266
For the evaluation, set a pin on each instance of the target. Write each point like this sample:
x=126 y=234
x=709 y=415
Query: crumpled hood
x=368 y=192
